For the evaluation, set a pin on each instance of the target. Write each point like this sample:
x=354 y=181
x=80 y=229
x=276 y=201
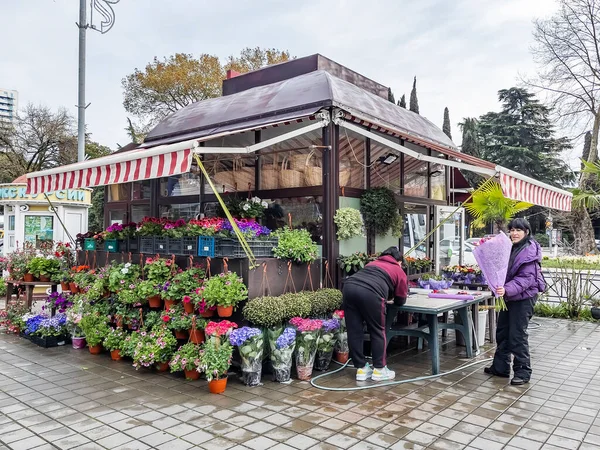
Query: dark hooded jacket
x=524 y=278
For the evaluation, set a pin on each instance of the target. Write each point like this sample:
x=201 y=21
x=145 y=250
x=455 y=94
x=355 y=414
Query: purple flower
x=286 y=339
x=241 y=335
x=330 y=325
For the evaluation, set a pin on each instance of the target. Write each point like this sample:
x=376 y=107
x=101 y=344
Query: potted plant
x=74 y=326
x=224 y=291
x=307 y=336
x=179 y=322
x=595 y=309
x=17 y=266
x=323 y=302
x=349 y=223
x=215 y=360
x=282 y=346
x=326 y=344
x=122 y=275
x=95 y=328
x=342 y=349
x=183 y=284
x=49 y=331
x=158 y=271
x=187 y=359
x=295 y=245
x=197 y=326
x=250 y=344
x=59 y=302
x=379 y=210
x=147 y=291
x=113 y=342
x=353 y=263
x=155 y=348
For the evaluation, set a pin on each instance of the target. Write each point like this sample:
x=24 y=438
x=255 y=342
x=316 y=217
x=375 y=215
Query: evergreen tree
x=402 y=101
x=471 y=145
x=446 y=128
x=391 y=96
x=414 y=102
x=521 y=137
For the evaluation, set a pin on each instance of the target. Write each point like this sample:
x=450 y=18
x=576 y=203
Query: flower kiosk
x=232 y=203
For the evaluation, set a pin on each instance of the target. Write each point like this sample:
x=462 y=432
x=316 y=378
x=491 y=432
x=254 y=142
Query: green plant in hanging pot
x=349 y=223
x=379 y=210
x=354 y=262
x=295 y=245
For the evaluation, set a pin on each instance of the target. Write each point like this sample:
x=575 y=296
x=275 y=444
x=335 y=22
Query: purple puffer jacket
x=524 y=279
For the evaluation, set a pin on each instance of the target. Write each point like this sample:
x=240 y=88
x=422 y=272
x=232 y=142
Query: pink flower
x=187 y=299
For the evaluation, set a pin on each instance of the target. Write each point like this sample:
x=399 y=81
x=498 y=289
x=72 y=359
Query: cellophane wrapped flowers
x=250 y=343
x=282 y=350
x=307 y=338
x=326 y=343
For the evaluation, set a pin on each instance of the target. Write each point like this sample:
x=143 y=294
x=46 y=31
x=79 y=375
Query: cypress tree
x=446 y=128
x=587 y=145
x=391 y=96
x=414 y=103
x=402 y=101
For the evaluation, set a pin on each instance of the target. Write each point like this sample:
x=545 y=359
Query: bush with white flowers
x=252 y=208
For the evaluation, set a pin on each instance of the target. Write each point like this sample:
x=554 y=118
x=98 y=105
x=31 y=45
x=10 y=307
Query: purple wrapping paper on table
x=452 y=296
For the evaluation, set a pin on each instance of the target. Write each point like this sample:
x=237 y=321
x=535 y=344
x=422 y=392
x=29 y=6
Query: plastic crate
x=225 y=247
x=133 y=245
x=189 y=246
x=263 y=249
x=174 y=246
x=206 y=246
x=89 y=244
x=111 y=246
x=147 y=245
x=161 y=245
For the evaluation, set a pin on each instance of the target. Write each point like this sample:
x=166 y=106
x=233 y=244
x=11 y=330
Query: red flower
x=166 y=318
x=187 y=299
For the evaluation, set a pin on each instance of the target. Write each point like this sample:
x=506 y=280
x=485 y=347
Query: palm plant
x=589 y=195
x=489 y=205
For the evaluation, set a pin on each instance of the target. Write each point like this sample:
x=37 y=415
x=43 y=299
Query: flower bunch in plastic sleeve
x=306 y=339
x=341 y=334
x=282 y=353
x=251 y=346
x=492 y=256
x=328 y=332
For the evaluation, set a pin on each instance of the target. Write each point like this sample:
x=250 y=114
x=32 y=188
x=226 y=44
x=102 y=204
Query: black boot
x=491 y=371
x=516 y=381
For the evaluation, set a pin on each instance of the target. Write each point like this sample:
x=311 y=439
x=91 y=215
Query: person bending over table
x=524 y=281
x=365 y=296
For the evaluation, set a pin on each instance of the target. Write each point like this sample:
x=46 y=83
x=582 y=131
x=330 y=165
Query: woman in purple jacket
x=524 y=281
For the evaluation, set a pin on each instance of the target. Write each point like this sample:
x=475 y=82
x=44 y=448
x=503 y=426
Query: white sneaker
x=364 y=373
x=383 y=374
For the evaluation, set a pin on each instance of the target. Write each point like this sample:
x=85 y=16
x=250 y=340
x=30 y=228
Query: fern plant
x=489 y=205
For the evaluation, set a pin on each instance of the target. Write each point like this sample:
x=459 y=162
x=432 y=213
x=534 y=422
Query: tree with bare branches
x=567 y=50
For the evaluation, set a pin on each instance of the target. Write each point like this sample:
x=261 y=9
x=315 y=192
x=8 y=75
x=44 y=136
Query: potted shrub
x=295 y=245
x=323 y=302
x=95 y=328
x=113 y=342
x=224 y=291
x=595 y=309
x=187 y=359
x=326 y=344
x=349 y=223
x=250 y=344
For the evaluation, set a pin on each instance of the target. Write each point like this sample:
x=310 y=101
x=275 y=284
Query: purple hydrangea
x=286 y=339
x=330 y=325
x=241 y=335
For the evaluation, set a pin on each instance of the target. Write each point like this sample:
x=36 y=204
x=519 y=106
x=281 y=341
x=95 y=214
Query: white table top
x=420 y=302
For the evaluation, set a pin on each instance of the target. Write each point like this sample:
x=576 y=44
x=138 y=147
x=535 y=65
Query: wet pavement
x=66 y=398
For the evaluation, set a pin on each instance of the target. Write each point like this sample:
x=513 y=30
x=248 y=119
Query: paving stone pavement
x=62 y=398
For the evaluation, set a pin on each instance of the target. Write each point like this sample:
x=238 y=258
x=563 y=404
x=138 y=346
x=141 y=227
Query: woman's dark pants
x=363 y=305
x=512 y=339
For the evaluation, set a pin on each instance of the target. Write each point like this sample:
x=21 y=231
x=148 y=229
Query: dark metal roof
x=293 y=98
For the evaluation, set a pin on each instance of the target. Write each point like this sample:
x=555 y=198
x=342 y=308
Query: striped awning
x=534 y=192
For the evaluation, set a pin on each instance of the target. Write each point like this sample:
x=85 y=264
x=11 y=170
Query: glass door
x=449 y=236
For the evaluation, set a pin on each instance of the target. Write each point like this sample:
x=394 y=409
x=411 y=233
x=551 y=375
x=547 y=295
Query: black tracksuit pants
x=364 y=305
x=512 y=338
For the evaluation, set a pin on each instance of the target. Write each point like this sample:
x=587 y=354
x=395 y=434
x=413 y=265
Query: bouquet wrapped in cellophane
x=492 y=256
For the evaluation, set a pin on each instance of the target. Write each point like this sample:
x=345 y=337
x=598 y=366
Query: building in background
x=9 y=105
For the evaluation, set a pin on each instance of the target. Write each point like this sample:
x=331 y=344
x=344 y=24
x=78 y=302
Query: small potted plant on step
x=113 y=342
x=187 y=359
x=215 y=358
x=225 y=291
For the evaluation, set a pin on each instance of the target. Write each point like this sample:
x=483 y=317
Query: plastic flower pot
x=115 y=355
x=64 y=286
x=192 y=374
x=28 y=278
x=188 y=307
x=181 y=334
x=341 y=357
x=162 y=367
x=78 y=342
x=224 y=311
x=208 y=313
x=169 y=303
x=304 y=372
x=155 y=301
x=197 y=336
x=217 y=386
x=74 y=288
x=323 y=360
x=95 y=349
x=44 y=278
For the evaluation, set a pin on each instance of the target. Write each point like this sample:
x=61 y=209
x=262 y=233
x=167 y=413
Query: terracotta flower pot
x=78 y=342
x=188 y=307
x=192 y=375
x=181 y=334
x=341 y=357
x=197 y=336
x=28 y=278
x=74 y=288
x=169 y=303
x=217 y=386
x=44 y=278
x=64 y=286
x=224 y=311
x=162 y=367
x=95 y=349
x=115 y=355
x=155 y=301
x=208 y=313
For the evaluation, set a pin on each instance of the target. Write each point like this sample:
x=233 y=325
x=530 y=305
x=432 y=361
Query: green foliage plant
x=295 y=245
x=379 y=210
x=224 y=289
x=349 y=223
x=215 y=359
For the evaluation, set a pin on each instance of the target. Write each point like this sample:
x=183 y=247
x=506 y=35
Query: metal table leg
x=434 y=345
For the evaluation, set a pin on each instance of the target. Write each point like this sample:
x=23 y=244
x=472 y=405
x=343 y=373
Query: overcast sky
x=462 y=51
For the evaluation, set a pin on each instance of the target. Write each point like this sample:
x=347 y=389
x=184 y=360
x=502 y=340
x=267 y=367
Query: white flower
x=246 y=207
x=49 y=257
x=264 y=204
x=125 y=271
x=256 y=200
x=128 y=265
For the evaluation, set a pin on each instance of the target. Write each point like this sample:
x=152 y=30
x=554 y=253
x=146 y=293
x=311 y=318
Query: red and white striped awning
x=534 y=192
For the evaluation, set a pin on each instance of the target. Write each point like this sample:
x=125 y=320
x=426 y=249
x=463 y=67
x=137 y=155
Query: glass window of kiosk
x=118 y=192
x=176 y=211
x=39 y=229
